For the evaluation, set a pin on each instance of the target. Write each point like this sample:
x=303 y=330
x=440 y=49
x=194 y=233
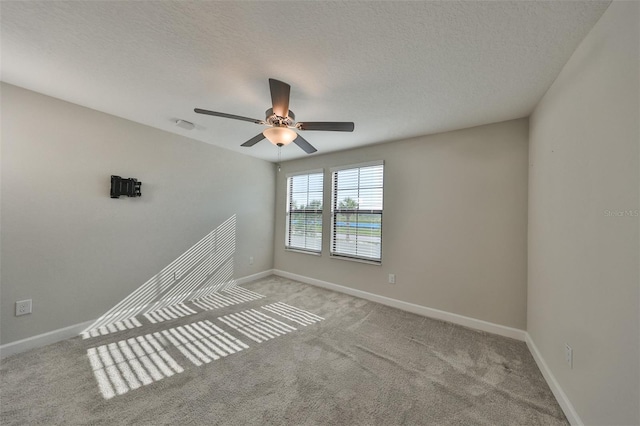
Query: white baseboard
x=74 y=330
x=477 y=324
x=42 y=339
x=249 y=278
x=568 y=409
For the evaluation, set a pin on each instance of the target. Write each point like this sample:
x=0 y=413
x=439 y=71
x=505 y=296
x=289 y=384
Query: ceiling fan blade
x=222 y=114
x=327 y=126
x=306 y=146
x=254 y=140
x=279 y=97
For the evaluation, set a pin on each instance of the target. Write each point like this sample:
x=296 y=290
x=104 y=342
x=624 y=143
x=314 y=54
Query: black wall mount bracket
x=125 y=186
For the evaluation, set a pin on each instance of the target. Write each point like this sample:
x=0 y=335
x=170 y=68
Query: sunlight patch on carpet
x=292 y=313
x=228 y=297
x=129 y=364
x=203 y=342
x=256 y=325
x=170 y=312
x=126 y=324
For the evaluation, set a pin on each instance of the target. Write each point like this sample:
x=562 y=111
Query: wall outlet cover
x=23 y=307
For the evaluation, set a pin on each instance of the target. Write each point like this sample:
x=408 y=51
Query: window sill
x=353 y=259
x=313 y=253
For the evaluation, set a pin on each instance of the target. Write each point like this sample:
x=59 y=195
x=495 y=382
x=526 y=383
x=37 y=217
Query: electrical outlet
x=250 y=260
x=23 y=307
x=392 y=278
x=568 y=355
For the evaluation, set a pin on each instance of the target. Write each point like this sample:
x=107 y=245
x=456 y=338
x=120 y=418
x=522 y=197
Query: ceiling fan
x=281 y=121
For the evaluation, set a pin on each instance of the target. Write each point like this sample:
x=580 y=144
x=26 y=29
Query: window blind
x=304 y=212
x=356 y=212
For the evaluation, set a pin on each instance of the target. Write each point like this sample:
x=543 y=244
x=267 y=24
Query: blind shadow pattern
x=170 y=312
x=229 y=297
x=125 y=324
x=203 y=342
x=129 y=364
x=256 y=325
x=204 y=269
x=292 y=313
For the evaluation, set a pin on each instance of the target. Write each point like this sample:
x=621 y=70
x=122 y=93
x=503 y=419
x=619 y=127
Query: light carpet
x=300 y=355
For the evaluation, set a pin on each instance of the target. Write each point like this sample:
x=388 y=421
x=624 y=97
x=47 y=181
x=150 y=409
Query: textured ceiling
x=396 y=69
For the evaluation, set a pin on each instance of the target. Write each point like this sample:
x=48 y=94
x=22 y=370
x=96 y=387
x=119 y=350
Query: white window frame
x=288 y=213
x=335 y=211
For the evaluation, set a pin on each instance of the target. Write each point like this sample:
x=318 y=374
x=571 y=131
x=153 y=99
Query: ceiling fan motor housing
x=277 y=121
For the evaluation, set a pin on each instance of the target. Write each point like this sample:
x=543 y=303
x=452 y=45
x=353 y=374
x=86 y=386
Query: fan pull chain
x=279 y=155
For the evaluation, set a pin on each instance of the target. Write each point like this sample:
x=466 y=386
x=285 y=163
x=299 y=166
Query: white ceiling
x=396 y=69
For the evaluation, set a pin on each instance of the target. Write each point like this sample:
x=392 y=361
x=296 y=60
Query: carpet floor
x=299 y=355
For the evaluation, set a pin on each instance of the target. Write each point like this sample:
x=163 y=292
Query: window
x=304 y=212
x=356 y=212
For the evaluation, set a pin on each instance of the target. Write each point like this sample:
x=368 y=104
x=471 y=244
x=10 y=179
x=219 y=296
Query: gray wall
x=583 y=258
x=454 y=223
x=76 y=252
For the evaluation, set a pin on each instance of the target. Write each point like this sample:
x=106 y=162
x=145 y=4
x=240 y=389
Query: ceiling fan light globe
x=280 y=135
